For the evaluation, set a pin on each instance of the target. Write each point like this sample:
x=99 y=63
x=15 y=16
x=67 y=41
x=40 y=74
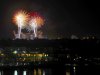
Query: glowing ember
x=31 y=22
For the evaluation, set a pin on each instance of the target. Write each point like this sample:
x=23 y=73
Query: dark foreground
x=21 y=57
x=53 y=70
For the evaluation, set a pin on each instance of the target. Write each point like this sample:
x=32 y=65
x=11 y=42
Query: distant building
x=89 y=37
x=74 y=37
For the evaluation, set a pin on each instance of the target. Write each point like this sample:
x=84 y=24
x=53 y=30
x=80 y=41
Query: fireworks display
x=21 y=19
x=31 y=22
x=38 y=18
x=39 y=21
x=35 y=22
x=33 y=26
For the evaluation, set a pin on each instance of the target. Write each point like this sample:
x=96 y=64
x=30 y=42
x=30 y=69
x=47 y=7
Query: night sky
x=63 y=18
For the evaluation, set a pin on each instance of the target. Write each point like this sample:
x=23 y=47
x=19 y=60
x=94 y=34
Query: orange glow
x=21 y=17
x=39 y=21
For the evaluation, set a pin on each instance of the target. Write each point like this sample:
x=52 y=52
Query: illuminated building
x=43 y=51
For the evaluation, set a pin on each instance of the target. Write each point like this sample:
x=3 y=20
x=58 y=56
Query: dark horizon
x=63 y=19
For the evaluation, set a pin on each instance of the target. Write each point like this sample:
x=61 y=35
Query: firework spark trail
x=33 y=26
x=20 y=24
x=35 y=22
x=21 y=19
x=31 y=22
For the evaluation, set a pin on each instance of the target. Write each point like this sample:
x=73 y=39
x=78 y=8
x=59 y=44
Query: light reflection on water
x=43 y=72
x=24 y=72
x=37 y=71
x=1 y=72
x=34 y=72
x=72 y=70
x=15 y=72
x=67 y=73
